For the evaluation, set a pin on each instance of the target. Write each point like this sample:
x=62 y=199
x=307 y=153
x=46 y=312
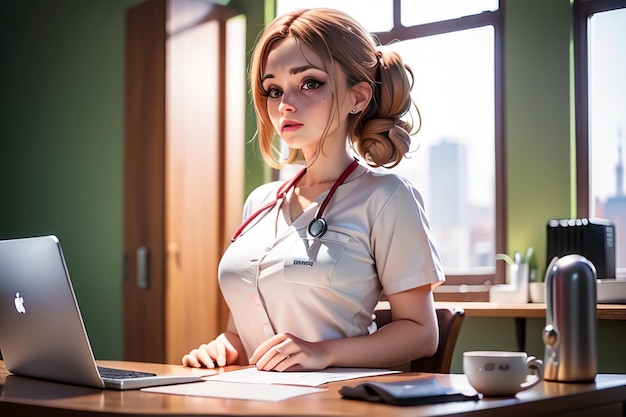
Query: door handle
x=143 y=267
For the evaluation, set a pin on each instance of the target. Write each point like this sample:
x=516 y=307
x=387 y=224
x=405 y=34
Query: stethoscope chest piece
x=318 y=227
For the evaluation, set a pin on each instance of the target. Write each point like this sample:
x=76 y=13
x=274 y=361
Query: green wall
x=61 y=135
x=61 y=144
x=538 y=128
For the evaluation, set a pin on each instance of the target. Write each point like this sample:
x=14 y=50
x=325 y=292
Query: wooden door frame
x=152 y=310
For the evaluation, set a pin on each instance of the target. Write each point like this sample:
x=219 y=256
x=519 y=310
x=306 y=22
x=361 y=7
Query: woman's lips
x=290 y=126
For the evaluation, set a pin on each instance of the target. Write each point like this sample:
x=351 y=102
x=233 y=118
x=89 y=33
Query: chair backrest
x=450 y=321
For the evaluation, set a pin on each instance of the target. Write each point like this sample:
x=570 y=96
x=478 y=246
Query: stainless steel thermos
x=571 y=331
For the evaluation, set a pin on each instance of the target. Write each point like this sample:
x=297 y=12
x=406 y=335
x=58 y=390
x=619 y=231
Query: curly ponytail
x=381 y=135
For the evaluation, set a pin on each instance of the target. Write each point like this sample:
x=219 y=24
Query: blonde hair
x=379 y=134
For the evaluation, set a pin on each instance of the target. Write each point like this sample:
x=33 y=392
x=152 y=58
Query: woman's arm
x=413 y=333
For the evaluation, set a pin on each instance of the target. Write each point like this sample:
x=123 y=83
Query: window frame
x=583 y=10
x=486 y=18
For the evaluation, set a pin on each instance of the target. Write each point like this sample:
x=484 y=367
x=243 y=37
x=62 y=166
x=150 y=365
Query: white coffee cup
x=501 y=373
x=537 y=292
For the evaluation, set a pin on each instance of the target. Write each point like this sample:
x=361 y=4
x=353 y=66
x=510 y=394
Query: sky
x=607 y=98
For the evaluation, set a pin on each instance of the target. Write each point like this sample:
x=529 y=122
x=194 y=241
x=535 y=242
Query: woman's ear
x=360 y=94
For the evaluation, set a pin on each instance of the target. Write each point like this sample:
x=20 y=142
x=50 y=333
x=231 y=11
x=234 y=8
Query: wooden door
x=184 y=150
x=144 y=182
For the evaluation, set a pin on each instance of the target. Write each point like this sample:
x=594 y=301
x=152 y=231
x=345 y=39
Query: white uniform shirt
x=276 y=278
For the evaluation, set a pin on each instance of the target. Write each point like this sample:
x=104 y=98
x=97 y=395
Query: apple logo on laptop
x=19 y=303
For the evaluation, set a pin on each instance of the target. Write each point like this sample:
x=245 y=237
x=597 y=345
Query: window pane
x=417 y=12
x=375 y=15
x=607 y=121
x=454 y=167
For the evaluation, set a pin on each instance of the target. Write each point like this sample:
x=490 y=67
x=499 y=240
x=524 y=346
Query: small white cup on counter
x=537 y=292
x=501 y=373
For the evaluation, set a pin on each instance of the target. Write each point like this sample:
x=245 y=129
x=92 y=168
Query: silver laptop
x=42 y=334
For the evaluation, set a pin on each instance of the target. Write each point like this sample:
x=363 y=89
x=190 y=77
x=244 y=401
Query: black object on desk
x=419 y=391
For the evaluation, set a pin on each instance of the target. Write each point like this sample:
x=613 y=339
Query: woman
x=306 y=269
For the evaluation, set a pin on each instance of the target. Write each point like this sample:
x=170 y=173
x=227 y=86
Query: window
x=452 y=48
x=601 y=117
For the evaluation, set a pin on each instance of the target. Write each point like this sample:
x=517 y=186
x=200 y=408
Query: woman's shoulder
x=379 y=189
x=388 y=182
x=386 y=177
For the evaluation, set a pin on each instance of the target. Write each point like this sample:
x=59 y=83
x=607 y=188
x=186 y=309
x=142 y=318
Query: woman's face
x=300 y=99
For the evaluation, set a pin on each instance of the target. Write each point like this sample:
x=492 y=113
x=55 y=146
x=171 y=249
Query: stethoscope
x=318 y=226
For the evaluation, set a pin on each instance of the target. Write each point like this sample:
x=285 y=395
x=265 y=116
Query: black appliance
x=592 y=238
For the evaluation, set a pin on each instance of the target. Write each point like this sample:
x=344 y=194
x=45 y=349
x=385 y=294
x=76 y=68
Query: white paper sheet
x=252 y=384
x=236 y=391
x=310 y=379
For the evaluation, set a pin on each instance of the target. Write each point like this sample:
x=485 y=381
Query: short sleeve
x=402 y=246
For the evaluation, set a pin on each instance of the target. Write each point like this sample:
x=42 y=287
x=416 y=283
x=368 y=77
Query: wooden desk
x=31 y=397
x=527 y=310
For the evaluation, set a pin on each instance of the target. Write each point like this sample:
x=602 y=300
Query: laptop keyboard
x=112 y=373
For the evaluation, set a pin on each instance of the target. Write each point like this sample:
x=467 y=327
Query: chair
x=450 y=321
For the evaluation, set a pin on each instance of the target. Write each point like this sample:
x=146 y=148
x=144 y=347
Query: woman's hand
x=219 y=352
x=285 y=352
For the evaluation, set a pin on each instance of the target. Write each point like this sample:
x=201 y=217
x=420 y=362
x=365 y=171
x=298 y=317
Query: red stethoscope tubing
x=284 y=189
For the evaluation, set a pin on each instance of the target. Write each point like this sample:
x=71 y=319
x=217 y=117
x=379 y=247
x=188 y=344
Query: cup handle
x=535 y=368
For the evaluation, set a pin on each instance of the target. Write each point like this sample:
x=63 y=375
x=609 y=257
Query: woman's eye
x=274 y=93
x=311 y=85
